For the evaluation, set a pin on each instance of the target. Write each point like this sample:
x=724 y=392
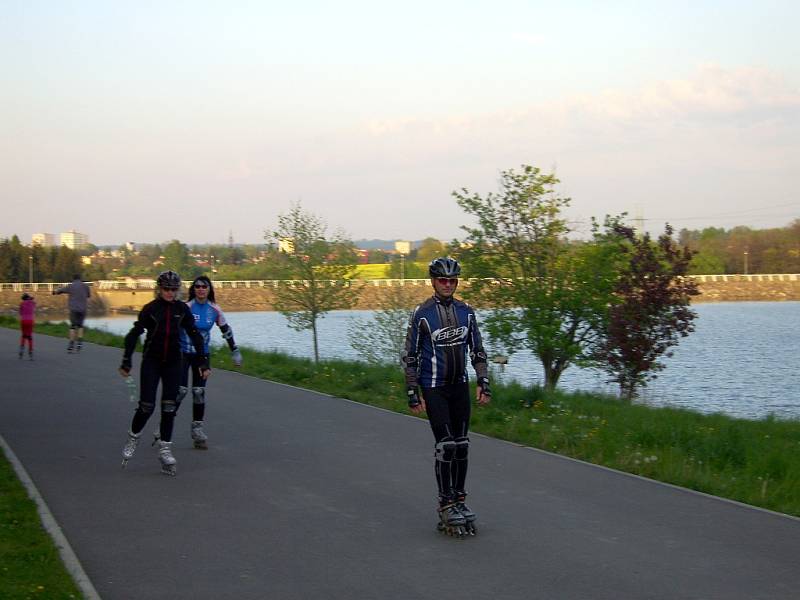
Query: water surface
x=742 y=360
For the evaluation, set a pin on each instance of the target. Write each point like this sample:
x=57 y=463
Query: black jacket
x=163 y=321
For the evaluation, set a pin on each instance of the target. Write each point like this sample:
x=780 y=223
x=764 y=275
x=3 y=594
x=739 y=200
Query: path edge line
x=51 y=526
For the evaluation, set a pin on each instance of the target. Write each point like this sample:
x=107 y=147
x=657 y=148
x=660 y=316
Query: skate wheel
x=201 y=446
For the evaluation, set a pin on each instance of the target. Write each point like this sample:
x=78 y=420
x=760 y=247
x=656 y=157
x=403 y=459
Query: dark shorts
x=27 y=328
x=76 y=318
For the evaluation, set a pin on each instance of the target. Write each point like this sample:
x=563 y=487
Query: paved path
x=306 y=496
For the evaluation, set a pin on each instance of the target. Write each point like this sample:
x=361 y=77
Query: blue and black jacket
x=440 y=335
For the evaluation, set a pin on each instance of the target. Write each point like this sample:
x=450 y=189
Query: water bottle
x=132 y=395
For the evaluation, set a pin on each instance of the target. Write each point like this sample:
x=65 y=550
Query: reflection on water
x=742 y=360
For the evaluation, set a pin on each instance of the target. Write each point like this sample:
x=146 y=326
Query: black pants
x=169 y=374
x=448 y=409
x=198 y=408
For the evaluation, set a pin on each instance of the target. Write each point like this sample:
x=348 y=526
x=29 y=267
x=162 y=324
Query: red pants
x=27 y=333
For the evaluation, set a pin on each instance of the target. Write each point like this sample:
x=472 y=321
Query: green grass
x=373 y=271
x=30 y=566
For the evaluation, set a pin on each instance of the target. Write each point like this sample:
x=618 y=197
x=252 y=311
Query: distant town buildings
x=45 y=239
x=71 y=239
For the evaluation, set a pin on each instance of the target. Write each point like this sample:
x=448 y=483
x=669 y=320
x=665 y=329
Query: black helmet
x=444 y=267
x=26 y=296
x=169 y=279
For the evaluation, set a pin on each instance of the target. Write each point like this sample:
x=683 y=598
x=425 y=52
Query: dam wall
x=112 y=297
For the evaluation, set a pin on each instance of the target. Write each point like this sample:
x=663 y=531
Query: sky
x=148 y=121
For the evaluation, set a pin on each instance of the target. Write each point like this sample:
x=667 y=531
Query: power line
x=732 y=213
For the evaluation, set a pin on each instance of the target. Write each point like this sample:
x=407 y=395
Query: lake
x=742 y=360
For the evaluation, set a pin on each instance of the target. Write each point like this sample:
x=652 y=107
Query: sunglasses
x=170 y=289
x=200 y=286
x=446 y=280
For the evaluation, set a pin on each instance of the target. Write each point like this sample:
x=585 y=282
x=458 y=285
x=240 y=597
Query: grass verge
x=30 y=566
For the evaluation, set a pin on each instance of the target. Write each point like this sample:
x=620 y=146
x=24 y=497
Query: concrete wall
x=714 y=288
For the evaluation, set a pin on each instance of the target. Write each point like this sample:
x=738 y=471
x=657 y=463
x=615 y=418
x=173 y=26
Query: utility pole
x=402 y=248
x=745 y=261
x=30 y=268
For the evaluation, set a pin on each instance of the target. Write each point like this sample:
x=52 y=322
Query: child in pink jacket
x=27 y=311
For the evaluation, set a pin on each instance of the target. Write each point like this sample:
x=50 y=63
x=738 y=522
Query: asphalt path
x=302 y=495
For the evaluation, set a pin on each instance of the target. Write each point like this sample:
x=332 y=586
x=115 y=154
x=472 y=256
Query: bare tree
x=316 y=270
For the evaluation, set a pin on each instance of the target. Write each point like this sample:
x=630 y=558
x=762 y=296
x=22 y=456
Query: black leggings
x=448 y=409
x=198 y=407
x=169 y=374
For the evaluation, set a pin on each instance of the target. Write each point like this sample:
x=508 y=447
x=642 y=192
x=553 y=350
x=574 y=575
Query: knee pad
x=198 y=395
x=147 y=407
x=169 y=406
x=182 y=391
x=462 y=448
x=445 y=450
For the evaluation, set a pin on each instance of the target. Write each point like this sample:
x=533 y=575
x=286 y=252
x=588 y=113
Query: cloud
x=713 y=92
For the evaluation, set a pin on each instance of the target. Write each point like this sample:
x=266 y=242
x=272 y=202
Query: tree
x=381 y=337
x=176 y=258
x=316 y=270
x=548 y=295
x=13 y=260
x=429 y=249
x=66 y=264
x=651 y=311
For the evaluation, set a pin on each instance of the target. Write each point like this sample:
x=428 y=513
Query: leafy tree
x=176 y=258
x=651 y=312
x=548 y=295
x=66 y=264
x=317 y=271
x=13 y=260
x=376 y=256
x=42 y=269
x=429 y=249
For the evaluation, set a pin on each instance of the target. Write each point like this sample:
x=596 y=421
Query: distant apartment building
x=71 y=239
x=74 y=239
x=45 y=239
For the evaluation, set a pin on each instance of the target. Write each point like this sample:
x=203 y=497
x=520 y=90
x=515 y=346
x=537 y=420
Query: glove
x=413 y=397
x=126 y=364
x=236 y=357
x=483 y=382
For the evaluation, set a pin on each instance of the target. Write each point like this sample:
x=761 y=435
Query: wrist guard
x=236 y=356
x=126 y=364
x=483 y=383
x=413 y=397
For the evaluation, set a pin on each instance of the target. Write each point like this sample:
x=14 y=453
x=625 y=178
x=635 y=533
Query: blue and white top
x=206 y=315
x=440 y=335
